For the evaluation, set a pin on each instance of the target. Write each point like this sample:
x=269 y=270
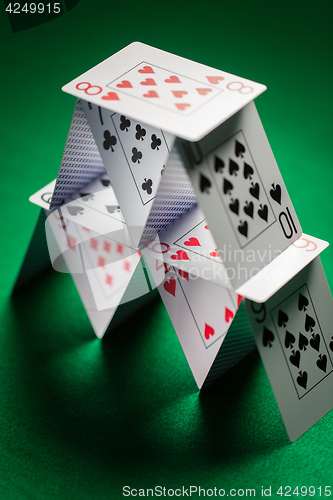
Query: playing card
x=150 y=181
x=99 y=212
x=147 y=208
x=94 y=207
x=168 y=90
x=282 y=269
x=105 y=252
x=171 y=93
x=198 y=240
x=240 y=189
x=293 y=332
x=63 y=243
x=237 y=343
x=201 y=314
x=135 y=156
x=43 y=197
x=109 y=269
x=188 y=244
x=102 y=201
x=81 y=162
x=100 y=268
x=66 y=256
x=174 y=197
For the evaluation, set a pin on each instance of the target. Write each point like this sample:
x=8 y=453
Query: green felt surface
x=81 y=418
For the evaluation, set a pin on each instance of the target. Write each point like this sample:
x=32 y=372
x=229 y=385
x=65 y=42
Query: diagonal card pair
x=87 y=237
x=203 y=199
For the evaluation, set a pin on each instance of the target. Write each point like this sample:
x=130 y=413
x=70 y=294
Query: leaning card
x=240 y=189
x=169 y=92
x=43 y=197
x=134 y=155
x=201 y=313
x=293 y=333
x=188 y=244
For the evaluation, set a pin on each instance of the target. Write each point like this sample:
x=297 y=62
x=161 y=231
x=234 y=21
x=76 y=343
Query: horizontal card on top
x=166 y=91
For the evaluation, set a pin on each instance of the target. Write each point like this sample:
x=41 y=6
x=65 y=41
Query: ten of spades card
x=242 y=194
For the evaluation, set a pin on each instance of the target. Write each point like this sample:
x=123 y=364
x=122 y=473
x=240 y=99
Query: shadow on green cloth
x=129 y=399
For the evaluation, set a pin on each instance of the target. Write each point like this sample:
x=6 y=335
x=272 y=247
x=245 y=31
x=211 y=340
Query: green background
x=80 y=418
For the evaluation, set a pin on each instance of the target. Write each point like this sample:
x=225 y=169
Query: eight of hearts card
x=179 y=96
